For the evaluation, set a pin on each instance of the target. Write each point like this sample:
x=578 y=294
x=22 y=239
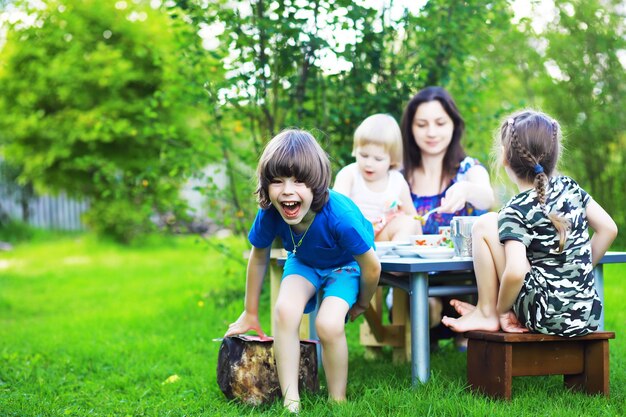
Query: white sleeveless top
x=376 y=205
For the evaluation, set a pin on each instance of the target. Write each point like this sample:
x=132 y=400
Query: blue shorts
x=342 y=282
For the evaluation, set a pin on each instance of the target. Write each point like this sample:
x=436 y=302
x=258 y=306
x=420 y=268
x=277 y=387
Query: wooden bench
x=493 y=358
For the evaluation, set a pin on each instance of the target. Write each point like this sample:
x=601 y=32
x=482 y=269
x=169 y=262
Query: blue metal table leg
x=420 y=338
x=599 y=281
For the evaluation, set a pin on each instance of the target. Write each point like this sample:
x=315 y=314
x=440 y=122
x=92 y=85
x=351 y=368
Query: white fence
x=46 y=212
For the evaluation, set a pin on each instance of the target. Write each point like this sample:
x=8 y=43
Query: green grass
x=90 y=328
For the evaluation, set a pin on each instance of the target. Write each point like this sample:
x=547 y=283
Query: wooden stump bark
x=246 y=370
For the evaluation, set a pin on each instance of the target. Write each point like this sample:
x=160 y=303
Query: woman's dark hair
x=294 y=153
x=412 y=154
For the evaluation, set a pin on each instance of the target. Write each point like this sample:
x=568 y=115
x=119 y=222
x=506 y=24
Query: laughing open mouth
x=291 y=208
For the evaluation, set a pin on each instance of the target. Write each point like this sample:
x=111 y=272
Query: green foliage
x=14 y=231
x=103 y=104
x=586 y=93
x=279 y=75
x=94 y=102
x=121 y=219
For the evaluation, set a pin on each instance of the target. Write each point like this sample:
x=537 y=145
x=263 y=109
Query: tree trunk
x=246 y=370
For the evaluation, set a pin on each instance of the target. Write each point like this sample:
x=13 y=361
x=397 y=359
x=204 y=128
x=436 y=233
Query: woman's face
x=432 y=128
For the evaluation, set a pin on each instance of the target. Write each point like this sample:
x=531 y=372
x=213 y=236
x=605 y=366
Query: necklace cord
x=296 y=246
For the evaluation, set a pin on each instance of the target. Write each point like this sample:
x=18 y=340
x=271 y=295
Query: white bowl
x=383 y=248
x=427 y=240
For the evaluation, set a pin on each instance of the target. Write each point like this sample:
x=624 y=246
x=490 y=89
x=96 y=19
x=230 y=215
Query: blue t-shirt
x=338 y=233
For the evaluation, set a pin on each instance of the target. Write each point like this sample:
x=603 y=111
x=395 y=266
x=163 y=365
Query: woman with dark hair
x=441 y=176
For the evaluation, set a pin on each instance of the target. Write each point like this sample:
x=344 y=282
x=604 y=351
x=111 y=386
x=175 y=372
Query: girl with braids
x=534 y=259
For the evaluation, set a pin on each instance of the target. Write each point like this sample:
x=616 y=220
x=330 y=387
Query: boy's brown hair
x=294 y=153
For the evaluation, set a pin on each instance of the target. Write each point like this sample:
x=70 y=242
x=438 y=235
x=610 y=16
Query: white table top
x=417 y=264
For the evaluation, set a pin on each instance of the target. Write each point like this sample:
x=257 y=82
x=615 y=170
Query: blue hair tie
x=538 y=169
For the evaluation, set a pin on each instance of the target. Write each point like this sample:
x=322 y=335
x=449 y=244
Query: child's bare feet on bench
x=462 y=307
x=474 y=320
x=511 y=324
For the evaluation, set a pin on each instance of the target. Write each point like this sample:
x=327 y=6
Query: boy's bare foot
x=337 y=400
x=293 y=406
x=462 y=307
x=473 y=320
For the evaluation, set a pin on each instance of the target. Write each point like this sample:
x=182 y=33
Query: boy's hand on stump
x=356 y=311
x=244 y=323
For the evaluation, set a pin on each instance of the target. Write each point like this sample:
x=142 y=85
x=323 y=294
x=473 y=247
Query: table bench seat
x=494 y=358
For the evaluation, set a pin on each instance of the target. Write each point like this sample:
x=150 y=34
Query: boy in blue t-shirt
x=331 y=249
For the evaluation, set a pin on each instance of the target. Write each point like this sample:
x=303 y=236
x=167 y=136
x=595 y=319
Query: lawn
x=91 y=328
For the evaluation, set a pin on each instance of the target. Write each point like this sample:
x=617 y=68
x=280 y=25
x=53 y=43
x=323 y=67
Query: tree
x=278 y=76
x=586 y=93
x=93 y=102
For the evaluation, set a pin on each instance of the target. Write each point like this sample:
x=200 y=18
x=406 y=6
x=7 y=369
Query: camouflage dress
x=558 y=295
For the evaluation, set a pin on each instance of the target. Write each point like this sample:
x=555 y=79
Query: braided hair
x=532 y=146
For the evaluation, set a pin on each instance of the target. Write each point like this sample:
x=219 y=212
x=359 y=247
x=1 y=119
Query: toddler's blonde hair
x=380 y=129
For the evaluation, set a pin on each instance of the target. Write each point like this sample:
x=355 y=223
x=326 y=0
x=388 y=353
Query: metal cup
x=461 y=234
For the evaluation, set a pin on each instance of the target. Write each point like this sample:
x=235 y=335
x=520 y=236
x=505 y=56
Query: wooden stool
x=493 y=358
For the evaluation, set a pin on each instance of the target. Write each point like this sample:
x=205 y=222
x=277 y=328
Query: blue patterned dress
x=425 y=203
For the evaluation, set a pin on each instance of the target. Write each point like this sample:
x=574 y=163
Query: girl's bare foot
x=462 y=307
x=473 y=320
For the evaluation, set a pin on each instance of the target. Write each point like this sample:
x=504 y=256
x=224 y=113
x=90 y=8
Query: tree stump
x=246 y=370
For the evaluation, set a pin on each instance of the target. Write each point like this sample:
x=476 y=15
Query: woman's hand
x=244 y=323
x=511 y=324
x=455 y=198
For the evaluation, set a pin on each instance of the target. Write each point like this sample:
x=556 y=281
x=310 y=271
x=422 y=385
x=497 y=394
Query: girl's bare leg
x=489 y=259
x=293 y=295
x=330 y=324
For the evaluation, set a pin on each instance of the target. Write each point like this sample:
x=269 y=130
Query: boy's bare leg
x=489 y=258
x=293 y=295
x=330 y=325
x=435 y=308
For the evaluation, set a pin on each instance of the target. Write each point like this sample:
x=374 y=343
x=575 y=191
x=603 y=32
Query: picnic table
x=415 y=282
